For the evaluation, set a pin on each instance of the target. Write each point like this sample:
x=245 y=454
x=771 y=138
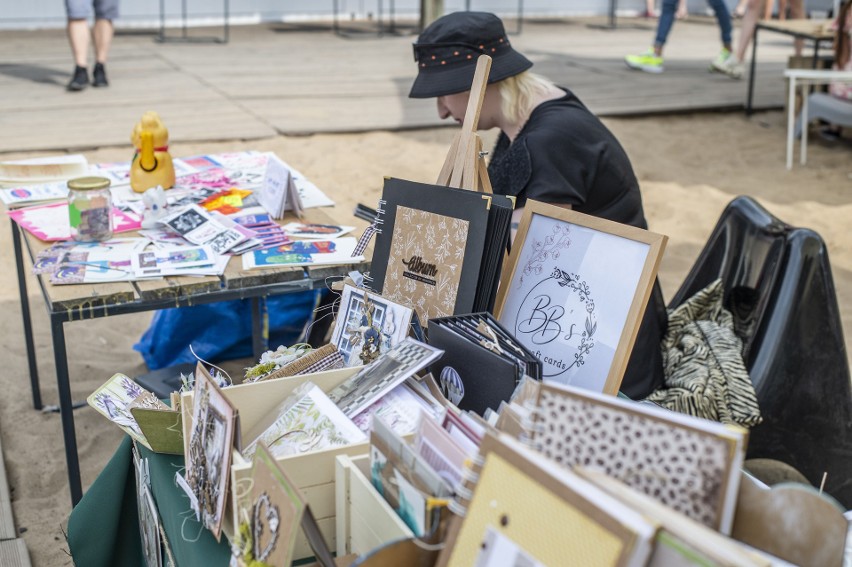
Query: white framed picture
x=574 y=291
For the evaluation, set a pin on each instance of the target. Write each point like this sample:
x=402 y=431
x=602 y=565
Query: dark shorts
x=82 y=9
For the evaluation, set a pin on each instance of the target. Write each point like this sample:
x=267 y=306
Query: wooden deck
x=284 y=79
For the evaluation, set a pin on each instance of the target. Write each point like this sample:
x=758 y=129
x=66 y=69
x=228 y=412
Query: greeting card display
x=574 y=291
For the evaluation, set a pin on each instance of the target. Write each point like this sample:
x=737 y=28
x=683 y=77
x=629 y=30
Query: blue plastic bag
x=222 y=331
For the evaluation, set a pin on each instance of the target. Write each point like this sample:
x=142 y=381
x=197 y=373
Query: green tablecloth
x=103 y=530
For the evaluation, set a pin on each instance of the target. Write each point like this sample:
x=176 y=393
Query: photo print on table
x=368 y=325
x=574 y=290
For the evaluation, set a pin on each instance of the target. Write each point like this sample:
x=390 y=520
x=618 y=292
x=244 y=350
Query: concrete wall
x=34 y=14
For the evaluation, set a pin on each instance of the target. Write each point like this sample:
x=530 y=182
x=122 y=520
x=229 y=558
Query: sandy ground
x=690 y=167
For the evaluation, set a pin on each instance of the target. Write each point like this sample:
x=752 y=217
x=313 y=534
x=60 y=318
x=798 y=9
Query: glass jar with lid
x=90 y=209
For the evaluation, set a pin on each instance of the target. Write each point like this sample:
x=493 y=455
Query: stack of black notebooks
x=439 y=250
x=482 y=362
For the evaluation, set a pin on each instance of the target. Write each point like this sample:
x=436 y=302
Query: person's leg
x=797 y=11
x=747 y=29
x=105 y=12
x=767 y=9
x=78 y=37
x=649 y=9
x=740 y=10
x=782 y=9
x=103 y=39
x=667 y=18
x=651 y=61
x=682 y=12
x=723 y=17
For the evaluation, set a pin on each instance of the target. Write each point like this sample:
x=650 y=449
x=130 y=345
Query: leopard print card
x=689 y=464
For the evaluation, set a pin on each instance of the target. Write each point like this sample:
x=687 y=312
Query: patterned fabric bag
x=705 y=375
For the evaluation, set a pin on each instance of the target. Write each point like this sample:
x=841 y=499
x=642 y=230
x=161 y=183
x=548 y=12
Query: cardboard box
x=365 y=521
x=313 y=473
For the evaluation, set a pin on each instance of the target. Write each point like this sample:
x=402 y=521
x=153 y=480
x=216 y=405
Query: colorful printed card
x=304 y=253
x=171 y=261
x=316 y=231
x=20 y=196
x=201 y=227
x=51 y=222
x=86 y=263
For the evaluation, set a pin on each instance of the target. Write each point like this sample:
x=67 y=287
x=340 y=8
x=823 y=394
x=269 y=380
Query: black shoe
x=80 y=80
x=99 y=76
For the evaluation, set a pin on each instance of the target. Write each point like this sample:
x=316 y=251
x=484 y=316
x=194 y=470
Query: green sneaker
x=727 y=64
x=647 y=62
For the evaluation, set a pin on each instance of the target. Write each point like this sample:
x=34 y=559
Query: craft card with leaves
x=574 y=291
x=687 y=463
x=209 y=449
x=114 y=398
x=270 y=522
x=526 y=510
x=368 y=325
x=307 y=420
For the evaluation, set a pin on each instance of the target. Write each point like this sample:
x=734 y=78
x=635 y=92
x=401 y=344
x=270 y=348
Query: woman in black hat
x=550 y=147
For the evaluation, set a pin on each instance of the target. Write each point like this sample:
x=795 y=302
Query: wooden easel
x=465 y=164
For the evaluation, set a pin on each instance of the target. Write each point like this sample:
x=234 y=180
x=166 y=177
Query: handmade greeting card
x=209 y=449
x=268 y=525
x=368 y=325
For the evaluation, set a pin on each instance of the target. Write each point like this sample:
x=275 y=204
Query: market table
x=814 y=30
x=82 y=302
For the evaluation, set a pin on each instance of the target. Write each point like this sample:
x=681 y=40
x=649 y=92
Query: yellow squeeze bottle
x=152 y=164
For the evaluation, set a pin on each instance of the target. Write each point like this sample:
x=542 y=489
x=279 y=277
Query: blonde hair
x=519 y=93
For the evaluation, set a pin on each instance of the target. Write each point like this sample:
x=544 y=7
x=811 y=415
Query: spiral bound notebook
x=526 y=510
x=687 y=463
x=439 y=250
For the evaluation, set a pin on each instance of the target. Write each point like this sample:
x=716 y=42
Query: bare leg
x=747 y=29
x=103 y=39
x=78 y=37
x=782 y=9
x=740 y=10
x=682 y=13
x=767 y=9
x=797 y=11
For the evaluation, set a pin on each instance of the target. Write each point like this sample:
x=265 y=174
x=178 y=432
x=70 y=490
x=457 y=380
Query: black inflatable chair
x=778 y=285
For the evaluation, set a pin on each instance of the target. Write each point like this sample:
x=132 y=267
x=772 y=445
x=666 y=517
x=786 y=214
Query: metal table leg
x=259 y=327
x=749 y=109
x=66 y=409
x=25 y=313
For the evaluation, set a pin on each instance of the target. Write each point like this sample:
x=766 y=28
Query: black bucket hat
x=447 y=50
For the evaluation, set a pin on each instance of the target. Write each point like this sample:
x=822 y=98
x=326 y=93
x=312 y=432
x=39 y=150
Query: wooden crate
x=365 y=521
x=313 y=473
